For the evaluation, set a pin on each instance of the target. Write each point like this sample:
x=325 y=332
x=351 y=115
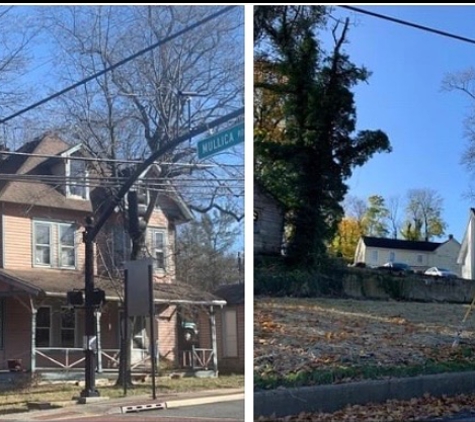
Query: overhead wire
x=120 y=63
x=410 y=24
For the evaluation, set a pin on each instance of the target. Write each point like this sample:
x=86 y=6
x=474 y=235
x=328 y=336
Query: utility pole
x=91 y=231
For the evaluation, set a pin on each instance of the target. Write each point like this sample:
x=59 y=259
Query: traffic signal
x=98 y=297
x=75 y=298
x=137 y=212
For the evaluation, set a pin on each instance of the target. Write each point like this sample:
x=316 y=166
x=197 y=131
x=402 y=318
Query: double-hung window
x=42 y=241
x=158 y=248
x=77 y=174
x=54 y=244
x=68 y=325
x=43 y=326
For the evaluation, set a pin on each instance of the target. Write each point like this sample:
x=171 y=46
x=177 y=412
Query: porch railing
x=198 y=358
x=68 y=358
x=61 y=357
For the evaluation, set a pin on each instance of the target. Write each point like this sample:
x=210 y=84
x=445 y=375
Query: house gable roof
x=168 y=198
x=37 y=193
x=378 y=242
x=232 y=293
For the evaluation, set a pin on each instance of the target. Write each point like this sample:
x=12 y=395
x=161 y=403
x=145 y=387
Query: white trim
x=55 y=245
x=2 y=230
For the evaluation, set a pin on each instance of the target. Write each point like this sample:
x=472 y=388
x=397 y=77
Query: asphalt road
x=230 y=411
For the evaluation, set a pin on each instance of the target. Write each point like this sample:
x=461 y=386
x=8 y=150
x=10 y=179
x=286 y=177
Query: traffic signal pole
x=92 y=229
x=90 y=320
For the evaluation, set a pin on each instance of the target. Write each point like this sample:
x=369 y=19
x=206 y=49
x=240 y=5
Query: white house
x=466 y=258
x=375 y=251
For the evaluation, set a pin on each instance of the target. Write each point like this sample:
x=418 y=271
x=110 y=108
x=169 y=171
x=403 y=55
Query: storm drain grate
x=140 y=407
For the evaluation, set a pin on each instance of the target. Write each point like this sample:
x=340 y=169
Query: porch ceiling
x=48 y=282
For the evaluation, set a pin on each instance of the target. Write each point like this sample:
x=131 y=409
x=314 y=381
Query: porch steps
x=141 y=407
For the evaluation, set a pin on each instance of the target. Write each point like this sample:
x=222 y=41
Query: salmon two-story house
x=47 y=190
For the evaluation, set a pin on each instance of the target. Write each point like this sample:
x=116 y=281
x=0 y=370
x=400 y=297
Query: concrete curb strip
x=330 y=398
x=204 y=400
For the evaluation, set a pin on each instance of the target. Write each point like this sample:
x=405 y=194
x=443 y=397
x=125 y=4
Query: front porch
x=42 y=334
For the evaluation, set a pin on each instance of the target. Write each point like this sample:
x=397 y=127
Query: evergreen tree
x=308 y=167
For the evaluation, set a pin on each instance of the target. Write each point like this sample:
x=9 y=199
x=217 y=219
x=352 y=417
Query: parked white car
x=440 y=272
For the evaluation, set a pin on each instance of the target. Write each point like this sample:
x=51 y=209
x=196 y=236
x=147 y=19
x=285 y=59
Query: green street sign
x=221 y=140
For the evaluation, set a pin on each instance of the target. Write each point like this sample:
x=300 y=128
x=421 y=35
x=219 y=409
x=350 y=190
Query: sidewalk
x=101 y=406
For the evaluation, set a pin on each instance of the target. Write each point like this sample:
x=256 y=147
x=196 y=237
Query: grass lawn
x=15 y=400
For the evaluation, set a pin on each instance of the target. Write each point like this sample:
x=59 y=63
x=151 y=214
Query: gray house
x=268 y=222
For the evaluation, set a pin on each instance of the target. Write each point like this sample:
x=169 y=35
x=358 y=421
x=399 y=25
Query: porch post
x=99 y=343
x=33 y=339
x=214 y=344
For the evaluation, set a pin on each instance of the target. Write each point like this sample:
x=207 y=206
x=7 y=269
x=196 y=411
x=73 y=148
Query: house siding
x=225 y=364
x=467 y=253
x=229 y=364
x=17 y=236
x=17 y=242
x=269 y=227
x=167 y=334
x=2 y=224
x=446 y=255
x=384 y=255
x=17 y=332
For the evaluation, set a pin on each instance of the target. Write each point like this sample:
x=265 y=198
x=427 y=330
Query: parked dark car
x=398 y=268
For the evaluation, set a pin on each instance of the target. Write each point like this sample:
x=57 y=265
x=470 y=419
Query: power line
x=120 y=63
x=118 y=161
x=413 y=25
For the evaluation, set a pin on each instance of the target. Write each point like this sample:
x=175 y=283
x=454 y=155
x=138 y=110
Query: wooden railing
x=198 y=358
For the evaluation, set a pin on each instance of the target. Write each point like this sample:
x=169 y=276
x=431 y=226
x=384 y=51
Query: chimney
x=451 y=236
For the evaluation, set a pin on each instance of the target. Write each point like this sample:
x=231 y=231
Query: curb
x=204 y=400
x=330 y=398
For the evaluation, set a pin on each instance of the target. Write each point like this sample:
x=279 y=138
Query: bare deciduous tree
x=141 y=105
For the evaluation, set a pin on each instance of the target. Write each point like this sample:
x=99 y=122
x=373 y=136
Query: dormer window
x=74 y=168
x=77 y=178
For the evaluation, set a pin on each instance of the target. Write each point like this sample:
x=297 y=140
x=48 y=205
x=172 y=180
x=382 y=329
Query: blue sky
x=404 y=99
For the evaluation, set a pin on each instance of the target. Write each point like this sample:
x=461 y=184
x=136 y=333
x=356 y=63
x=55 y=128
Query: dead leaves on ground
x=292 y=335
x=417 y=409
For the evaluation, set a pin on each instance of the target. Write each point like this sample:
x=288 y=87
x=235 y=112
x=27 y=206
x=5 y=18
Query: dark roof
x=53 y=282
x=40 y=194
x=233 y=294
x=260 y=189
x=379 y=242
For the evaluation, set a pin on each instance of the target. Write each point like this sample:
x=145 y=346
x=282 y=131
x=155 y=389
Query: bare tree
x=19 y=29
x=424 y=220
x=393 y=207
x=356 y=208
x=464 y=82
x=203 y=252
x=142 y=105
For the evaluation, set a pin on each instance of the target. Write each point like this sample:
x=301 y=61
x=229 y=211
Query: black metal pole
x=152 y=329
x=125 y=332
x=90 y=318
